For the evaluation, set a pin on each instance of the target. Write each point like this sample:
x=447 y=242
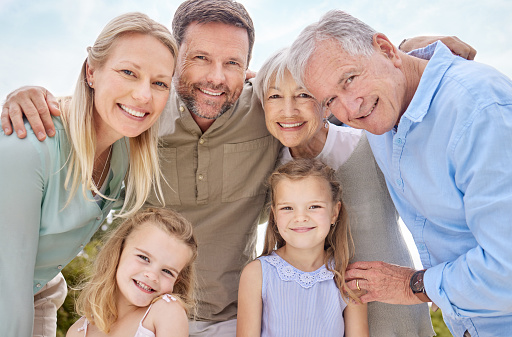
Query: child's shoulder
x=76 y=329
x=253 y=268
x=167 y=314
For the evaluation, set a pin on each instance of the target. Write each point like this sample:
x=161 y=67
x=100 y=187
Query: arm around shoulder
x=249 y=301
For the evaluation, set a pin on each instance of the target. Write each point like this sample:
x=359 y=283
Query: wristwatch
x=417 y=287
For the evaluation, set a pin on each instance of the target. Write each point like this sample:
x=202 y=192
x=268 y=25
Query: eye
x=350 y=79
x=315 y=206
x=142 y=257
x=128 y=72
x=274 y=96
x=200 y=57
x=162 y=84
x=233 y=63
x=285 y=208
x=329 y=101
x=167 y=271
x=304 y=95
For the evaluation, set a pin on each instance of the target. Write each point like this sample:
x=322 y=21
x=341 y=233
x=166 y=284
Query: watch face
x=416 y=283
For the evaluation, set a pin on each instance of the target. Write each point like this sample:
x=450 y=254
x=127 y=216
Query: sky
x=44 y=42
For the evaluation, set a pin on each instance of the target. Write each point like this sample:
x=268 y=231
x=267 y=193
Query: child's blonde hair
x=338 y=244
x=97 y=300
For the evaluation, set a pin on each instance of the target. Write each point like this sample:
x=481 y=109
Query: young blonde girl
x=143 y=279
x=296 y=287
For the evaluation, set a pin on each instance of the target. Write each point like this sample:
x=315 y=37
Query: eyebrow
x=151 y=256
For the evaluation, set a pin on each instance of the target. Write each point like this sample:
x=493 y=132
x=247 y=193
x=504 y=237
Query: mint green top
x=39 y=236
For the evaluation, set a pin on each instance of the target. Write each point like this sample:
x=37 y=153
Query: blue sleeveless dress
x=298 y=303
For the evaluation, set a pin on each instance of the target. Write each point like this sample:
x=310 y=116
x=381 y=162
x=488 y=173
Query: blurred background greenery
x=78 y=270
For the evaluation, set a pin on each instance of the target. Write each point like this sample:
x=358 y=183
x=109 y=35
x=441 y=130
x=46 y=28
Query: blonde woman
x=56 y=193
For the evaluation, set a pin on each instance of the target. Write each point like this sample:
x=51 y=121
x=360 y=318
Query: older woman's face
x=292 y=115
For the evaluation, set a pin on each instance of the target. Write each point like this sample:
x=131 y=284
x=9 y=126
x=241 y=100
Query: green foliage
x=438 y=323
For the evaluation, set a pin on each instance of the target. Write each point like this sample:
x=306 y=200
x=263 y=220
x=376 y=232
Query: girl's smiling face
x=149 y=265
x=304 y=211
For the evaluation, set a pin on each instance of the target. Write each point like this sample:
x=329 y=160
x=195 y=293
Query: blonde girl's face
x=304 y=211
x=149 y=265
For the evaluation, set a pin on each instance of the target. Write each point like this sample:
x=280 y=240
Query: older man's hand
x=382 y=282
x=37 y=104
x=457 y=46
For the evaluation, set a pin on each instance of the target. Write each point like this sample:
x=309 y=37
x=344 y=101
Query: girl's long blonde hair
x=338 y=244
x=97 y=299
x=144 y=171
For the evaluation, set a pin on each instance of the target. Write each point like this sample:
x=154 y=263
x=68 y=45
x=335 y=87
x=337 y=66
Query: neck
x=307 y=260
x=413 y=69
x=203 y=123
x=313 y=147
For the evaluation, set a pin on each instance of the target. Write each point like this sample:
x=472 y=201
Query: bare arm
x=356 y=320
x=457 y=46
x=35 y=103
x=249 y=301
x=167 y=318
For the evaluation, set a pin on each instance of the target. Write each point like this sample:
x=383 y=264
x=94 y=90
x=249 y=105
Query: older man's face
x=365 y=93
x=211 y=66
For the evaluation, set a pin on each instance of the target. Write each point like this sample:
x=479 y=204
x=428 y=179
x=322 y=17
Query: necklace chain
x=104 y=167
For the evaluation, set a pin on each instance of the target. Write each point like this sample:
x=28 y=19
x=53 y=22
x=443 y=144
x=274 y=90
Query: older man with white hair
x=440 y=131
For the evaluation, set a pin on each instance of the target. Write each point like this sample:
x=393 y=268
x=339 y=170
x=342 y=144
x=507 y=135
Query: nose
x=346 y=108
x=142 y=91
x=216 y=73
x=301 y=216
x=149 y=274
x=289 y=107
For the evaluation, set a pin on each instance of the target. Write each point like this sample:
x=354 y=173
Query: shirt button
x=399 y=182
x=59 y=267
x=182 y=108
x=81 y=246
x=38 y=285
x=201 y=141
x=399 y=141
x=200 y=177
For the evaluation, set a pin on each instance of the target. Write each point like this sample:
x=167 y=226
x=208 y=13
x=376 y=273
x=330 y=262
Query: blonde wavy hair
x=144 y=170
x=338 y=244
x=97 y=299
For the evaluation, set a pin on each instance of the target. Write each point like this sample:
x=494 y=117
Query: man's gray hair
x=272 y=70
x=353 y=35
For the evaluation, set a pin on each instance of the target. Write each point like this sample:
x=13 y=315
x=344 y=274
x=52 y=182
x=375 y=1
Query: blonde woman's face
x=132 y=87
x=292 y=115
x=149 y=265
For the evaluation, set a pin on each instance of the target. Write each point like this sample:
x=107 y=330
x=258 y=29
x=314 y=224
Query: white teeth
x=211 y=93
x=368 y=114
x=143 y=286
x=290 y=125
x=132 y=112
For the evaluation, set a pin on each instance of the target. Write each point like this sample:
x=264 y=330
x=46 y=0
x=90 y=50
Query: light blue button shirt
x=40 y=235
x=448 y=167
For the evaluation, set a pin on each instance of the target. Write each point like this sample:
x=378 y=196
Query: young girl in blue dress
x=143 y=279
x=297 y=287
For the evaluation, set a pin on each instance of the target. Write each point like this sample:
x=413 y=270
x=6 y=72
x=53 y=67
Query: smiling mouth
x=371 y=110
x=204 y=91
x=292 y=125
x=132 y=112
x=143 y=286
x=302 y=229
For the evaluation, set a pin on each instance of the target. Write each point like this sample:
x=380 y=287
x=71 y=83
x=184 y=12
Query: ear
x=89 y=72
x=386 y=48
x=336 y=211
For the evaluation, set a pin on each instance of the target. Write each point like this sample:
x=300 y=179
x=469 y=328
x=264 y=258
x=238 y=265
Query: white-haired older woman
x=56 y=193
x=297 y=120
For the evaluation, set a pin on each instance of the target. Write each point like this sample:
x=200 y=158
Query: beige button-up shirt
x=216 y=181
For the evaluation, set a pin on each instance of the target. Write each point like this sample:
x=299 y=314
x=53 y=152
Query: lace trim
x=287 y=272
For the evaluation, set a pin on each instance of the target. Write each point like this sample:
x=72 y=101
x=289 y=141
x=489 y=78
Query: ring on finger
x=357 y=285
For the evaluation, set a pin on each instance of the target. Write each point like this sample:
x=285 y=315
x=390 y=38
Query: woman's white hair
x=272 y=70
x=353 y=35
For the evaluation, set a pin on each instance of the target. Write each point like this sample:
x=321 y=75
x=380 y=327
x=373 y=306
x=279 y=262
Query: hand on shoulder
x=167 y=315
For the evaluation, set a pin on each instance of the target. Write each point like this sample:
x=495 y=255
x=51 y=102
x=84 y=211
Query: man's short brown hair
x=204 y=11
